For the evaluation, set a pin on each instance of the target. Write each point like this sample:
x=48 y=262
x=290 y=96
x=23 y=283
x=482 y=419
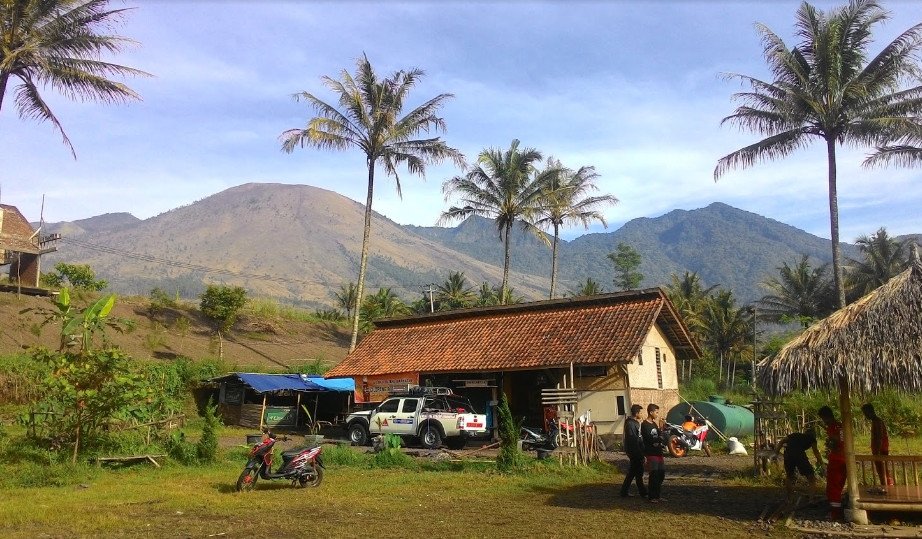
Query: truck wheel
x=456 y=442
x=430 y=437
x=358 y=435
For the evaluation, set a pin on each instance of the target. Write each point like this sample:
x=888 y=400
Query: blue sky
x=632 y=88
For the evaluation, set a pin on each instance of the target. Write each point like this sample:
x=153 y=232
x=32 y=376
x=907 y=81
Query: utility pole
x=429 y=288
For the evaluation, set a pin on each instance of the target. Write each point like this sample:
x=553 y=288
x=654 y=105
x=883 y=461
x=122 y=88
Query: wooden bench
x=905 y=494
x=130 y=459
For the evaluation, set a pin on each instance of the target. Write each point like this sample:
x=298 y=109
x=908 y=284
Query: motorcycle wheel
x=676 y=448
x=311 y=481
x=247 y=479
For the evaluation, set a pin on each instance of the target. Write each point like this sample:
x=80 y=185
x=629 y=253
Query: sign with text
x=376 y=388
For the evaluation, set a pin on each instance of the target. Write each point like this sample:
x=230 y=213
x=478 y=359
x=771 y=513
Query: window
x=435 y=405
x=594 y=371
x=659 y=369
x=389 y=406
x=621 y=407
x=640 y=357
x=409 y=406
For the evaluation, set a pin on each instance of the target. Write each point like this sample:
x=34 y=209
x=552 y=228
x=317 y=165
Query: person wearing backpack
x=634 y=448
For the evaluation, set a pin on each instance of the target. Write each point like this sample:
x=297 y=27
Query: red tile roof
x=15 y=231
x=605 y=329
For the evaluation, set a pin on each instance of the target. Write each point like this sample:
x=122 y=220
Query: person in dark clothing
x=633 y=446
x=795 y=458
x=653 y=450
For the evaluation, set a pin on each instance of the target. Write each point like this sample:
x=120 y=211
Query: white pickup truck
x=431 y=414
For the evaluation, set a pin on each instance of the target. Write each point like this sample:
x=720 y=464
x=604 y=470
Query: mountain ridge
x=299 y=243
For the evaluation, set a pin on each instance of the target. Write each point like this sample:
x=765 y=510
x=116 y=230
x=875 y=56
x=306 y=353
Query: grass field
x=360 y=501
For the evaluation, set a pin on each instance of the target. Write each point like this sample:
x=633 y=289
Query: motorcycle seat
x=292 y=453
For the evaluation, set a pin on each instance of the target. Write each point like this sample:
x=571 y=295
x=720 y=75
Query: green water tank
x=730 y=419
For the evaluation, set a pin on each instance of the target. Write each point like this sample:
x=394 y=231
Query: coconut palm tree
x=688 y=294
x=61 y=43
x=566 y=202
x=587 y=288
x=370 y=118
x=345 y=297
x=503 y=186
x=382 y=304
x=800 y=292
x=884 y=258
x=725 y=330
x=827 y=88
x=454 y=292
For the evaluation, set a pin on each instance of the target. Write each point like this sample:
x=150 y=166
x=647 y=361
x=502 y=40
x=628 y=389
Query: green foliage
x=315 y=367
x=80 y=326
x=207 y=447
x=79 y=276
x=160 y=301
x=800 y=293
x=20 y=379
x=346 y=297
x=390 y=455
x=510 y=458
x=342 y=455
x=626 y=260
x=698 y=389
x=330 y=315
x=382 y=304
x=222 y=304
x=181 y=450
x=587 y=288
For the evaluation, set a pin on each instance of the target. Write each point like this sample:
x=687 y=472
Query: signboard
x=232 y=394
x=279 y=416
x=376 y=388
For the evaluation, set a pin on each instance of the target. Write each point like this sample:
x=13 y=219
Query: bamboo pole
x=262 y=413
x=855 y=514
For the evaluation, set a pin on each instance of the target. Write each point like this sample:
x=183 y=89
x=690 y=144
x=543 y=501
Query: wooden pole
x=297 y=409
x=262 y=413
x=855 y=515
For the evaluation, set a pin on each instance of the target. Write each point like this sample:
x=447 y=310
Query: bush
x=339 y=455
x=207 y=447
x=390 y=455
x=181 y=450
x=510 y=457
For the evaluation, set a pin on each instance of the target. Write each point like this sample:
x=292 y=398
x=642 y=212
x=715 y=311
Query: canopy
x=269 y=383
x=871 y=344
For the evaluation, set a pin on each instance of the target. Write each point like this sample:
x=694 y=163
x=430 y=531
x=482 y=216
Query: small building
x=21 y=247
x=286 y=401
x=613 y=349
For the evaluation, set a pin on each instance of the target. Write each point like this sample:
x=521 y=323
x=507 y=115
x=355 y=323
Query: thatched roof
x=874 y=343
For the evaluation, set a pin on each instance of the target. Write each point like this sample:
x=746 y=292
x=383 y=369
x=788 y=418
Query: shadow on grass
x=231 y=488
x=738 y=503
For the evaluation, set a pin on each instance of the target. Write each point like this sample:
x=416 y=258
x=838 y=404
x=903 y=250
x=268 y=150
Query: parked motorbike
x=680 y=441
x=533 y=438
x=302 y=466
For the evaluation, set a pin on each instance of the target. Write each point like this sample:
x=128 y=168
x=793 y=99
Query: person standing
x=835 y=457
x=634 y=447
x=653 y=450
x=880 y=445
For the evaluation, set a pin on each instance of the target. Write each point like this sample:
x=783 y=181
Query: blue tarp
x=265 y=383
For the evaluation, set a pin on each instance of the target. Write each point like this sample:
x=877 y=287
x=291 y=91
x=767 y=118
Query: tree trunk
x=720 y=368
x=834 y=222
x=360 y=286
x=505 y=287
x=4 y=78
x=855 y=515
x=554 y=262
x=73 y=459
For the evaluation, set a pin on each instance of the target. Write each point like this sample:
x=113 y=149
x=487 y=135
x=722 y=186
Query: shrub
x=510 y=457
x=207 y=446
x=390 y=455
x=181 y=450
x=339 y=455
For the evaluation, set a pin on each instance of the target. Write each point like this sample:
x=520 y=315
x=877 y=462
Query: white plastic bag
x=734 y=447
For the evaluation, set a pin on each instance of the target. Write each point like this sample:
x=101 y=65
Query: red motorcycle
x=302 y=466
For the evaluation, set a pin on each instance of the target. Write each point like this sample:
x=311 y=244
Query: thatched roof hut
x=873 y=343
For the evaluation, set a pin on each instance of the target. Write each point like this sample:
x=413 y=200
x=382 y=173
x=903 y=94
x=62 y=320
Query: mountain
x=299 y=243
x=296 y=243
x=99 y=223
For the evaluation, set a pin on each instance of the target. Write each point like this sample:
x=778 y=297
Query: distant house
x=21 y=247
x=614 y=349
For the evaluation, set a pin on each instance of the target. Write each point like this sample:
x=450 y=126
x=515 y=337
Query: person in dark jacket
x=795 y=458
x=651 y=432
x=633 y=446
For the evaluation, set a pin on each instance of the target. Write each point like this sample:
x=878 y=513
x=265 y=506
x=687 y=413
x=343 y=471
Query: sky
x=632 y=88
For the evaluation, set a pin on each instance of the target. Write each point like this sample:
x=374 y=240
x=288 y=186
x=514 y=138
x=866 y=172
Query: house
x=21 y=247
x=613 y=349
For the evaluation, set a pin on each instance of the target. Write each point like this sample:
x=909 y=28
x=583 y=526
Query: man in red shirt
x=835 y=457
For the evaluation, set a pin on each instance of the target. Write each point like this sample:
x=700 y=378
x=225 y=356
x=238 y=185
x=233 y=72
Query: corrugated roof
x=267 y=383
x=605 y=329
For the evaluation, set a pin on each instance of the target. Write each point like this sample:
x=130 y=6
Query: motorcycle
x=302 y=466
x=533 y=438
x=680 y=441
